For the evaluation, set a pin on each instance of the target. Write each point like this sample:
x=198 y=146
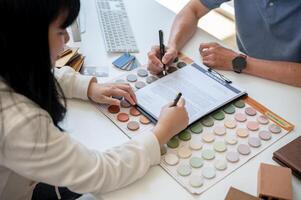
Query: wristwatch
x=239 y=63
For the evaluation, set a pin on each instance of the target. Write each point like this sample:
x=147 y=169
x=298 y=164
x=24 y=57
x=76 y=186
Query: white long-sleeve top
x=33 y=150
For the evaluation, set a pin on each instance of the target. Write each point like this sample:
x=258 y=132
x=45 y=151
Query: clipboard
x=207 y=75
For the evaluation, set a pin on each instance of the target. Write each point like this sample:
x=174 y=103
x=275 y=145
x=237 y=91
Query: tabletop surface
x=87 y=124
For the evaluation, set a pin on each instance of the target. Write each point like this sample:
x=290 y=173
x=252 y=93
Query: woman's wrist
x=92 y=84
x=161 y=134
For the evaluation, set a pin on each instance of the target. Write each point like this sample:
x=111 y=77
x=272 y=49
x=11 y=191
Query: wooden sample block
x=274 y=182
x=235 y=194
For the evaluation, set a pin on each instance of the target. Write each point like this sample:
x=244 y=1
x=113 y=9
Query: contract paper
x=203 y=91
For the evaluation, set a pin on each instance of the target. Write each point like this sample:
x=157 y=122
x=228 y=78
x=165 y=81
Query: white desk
x=86 y=124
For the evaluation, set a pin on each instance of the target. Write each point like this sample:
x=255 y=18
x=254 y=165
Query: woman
x=33 y=147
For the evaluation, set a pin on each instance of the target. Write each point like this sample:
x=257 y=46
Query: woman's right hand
x=172 y=120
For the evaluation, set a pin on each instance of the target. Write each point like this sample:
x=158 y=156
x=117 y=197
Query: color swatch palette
x=128 y=118
x=218 y=144
x=211 y=148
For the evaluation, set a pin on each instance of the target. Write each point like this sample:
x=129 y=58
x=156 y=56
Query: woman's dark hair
x=25 y=63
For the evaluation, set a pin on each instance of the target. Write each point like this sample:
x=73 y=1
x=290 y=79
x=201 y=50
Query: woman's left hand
x=103 y=93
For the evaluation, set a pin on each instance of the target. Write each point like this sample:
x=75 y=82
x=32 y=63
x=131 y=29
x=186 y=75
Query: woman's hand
x=102 y=93
x=172 y=120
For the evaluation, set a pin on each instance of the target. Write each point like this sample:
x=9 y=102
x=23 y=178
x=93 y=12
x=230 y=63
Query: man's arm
x=185 y=24
x=284 y=72
x=183 y=28
x=219 y=57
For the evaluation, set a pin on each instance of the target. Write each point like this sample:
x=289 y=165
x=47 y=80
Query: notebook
x=289 y=156
x=203 y=89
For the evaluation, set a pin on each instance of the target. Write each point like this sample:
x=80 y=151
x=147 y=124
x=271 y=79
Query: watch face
x=239 y=63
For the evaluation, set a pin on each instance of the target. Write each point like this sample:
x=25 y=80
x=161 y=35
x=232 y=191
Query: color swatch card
x=212 y=147
x=70 y=57
x=126 y=62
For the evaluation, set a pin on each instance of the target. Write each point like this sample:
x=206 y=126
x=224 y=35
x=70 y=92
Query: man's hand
x=216 y=56
x=155 y=66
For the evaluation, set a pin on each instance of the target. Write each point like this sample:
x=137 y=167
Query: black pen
x=162 y=50
x=175 y=102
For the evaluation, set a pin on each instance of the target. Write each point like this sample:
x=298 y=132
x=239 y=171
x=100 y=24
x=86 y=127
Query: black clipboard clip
x=215 y=73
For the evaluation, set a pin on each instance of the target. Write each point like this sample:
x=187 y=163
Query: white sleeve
x=73 y=84
x=39 y=151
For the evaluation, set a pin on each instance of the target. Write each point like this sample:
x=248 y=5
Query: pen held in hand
x=176 y=100
x=162 y=50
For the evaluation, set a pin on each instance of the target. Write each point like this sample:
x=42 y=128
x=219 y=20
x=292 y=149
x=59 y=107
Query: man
x=268 y=35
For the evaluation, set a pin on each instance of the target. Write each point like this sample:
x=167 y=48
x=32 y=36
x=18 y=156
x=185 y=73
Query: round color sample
x=184 y=170
x=196 y=162
x=125 y=104
x=196 y=127
x=254 y=142
x=134 y=111
x=151 y=79
x=232 y=157
x=133 y=125
x=184 y=135
x=240 y=117
x=131 y=78
x=230 y=109
x=139 y=85
x=208 y=154
x=240 y=104
x=252 y=125
x=250 y=111
x=171 y=69
x=208 y=122
x=144 y=120
x=265 y=135
x=242 y=132
x=113 y=109
x=195 y=144
x=219 y=115
x=219 y=130
x=173 y=143
x=123 y=117
x=171 y=159
x=244 y=149
x=230 y=139
x=160 y=75
x=262 y=119
x=219 y=146
x=163 y=150
x=208 y=137
x=181 y=65
x=208 y=172
x=230 y=124
x=196 y=181
x=142 y=73
x=117 y=97
x=220 y=164
x=184 y=152
x=274 y=128
x=176 y=60
x=120 y=81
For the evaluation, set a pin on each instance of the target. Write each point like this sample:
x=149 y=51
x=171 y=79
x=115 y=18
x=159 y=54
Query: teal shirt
x=267 y=29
